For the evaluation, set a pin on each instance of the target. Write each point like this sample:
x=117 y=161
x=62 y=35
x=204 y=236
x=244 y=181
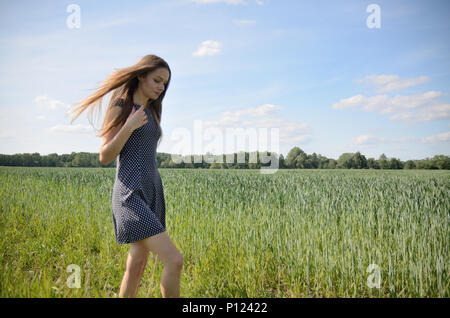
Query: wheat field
x=295 y=233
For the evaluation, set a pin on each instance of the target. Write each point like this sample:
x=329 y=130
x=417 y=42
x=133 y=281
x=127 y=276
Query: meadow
x=295 y=233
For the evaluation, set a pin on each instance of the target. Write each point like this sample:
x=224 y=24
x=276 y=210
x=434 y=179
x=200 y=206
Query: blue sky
x=312 y=69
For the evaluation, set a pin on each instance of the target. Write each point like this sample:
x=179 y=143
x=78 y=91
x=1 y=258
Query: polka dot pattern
x=137 y=198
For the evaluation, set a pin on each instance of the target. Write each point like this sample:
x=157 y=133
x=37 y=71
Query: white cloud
x=373 y=140
x=365 y=139
x=403 y=139
x=44 y=102
x=429 y=108
x=208 y=47
x=437 y=112
x=71 y=129
x=389 y=83
x=262 y=117
x=444 y=137
x=235 y=118
x=349 y=102
x=260 y=111
x=7 y=134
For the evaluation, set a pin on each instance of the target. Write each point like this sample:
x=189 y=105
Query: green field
x=295 y=233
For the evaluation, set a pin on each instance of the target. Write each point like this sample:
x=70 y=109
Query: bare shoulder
x=113 y=112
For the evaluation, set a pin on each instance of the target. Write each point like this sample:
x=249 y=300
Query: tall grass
x=296 y=233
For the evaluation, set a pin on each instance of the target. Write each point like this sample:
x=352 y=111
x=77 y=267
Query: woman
x=131 y=130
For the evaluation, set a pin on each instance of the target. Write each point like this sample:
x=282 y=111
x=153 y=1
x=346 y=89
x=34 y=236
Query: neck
x=139 y=98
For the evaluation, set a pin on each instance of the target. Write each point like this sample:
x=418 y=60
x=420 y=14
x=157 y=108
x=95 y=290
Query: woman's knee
x=177 y=261
x=135 y=265
x=162 y=246
x=137 y=258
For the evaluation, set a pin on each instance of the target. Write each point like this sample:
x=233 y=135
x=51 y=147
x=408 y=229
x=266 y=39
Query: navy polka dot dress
x=138 y=206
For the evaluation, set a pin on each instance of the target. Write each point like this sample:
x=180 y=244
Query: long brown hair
x=123 y=82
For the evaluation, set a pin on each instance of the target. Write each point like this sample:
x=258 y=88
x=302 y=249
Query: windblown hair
x=123 y=82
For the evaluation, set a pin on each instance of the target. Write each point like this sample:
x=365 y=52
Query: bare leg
x=137 y=259
x=141 y=273
x=162 y=246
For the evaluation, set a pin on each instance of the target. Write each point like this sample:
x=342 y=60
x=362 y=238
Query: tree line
x=295 y=159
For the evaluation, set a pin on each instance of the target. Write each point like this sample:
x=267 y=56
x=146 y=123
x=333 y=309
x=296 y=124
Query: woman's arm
x=114 y=140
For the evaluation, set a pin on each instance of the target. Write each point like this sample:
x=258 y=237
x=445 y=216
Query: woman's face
x=154 y=83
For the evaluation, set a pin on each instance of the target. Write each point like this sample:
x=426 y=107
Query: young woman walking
x=131 y=132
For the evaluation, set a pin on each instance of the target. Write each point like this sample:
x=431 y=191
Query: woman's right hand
x=137 y=118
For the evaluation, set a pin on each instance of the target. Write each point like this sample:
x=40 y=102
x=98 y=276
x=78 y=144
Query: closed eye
x=161 y=81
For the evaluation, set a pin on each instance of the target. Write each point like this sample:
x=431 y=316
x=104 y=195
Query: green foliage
x=295 y=159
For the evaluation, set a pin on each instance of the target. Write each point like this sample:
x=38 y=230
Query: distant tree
x=359 y=161
x=332 y=164
x=345 y=161
x=410 y=165
x=291 y=158
x=372 y=163
x=282 y=162
x=296 y=158
x=382 y=162
x=442 y=162
x=52 y=159
x=81 y=159
x=215 y=165
x=323 y=162
x=395 y=163
x=35 y=159
x=301 y=161
x=165 y=163
x=314 y=161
